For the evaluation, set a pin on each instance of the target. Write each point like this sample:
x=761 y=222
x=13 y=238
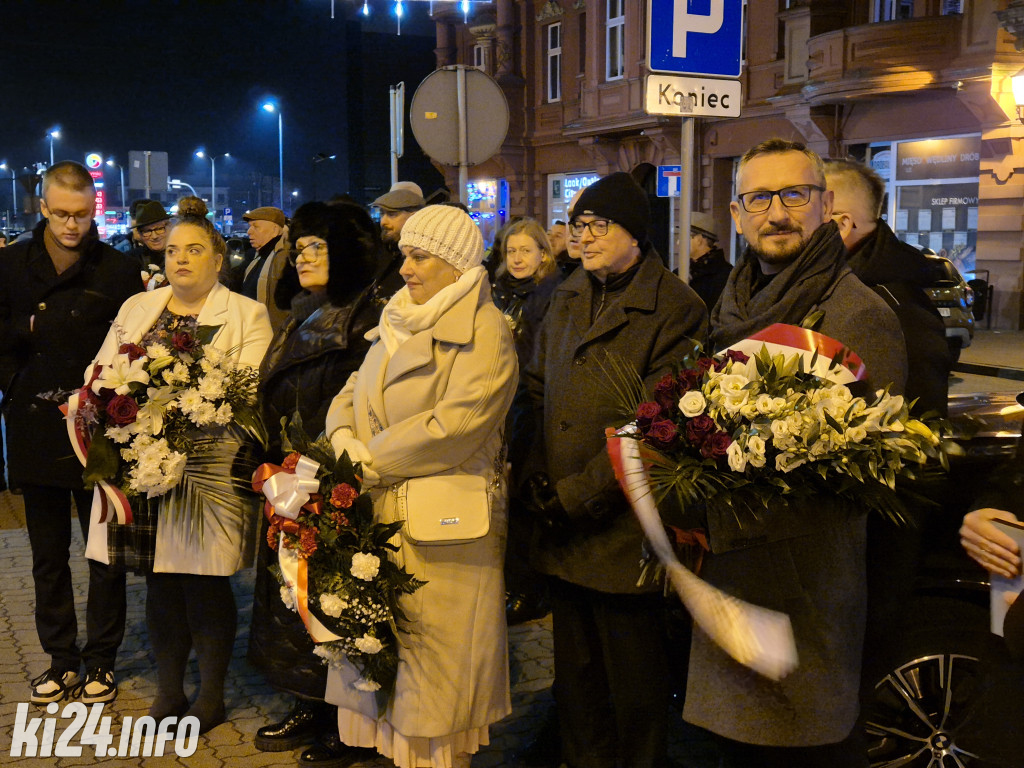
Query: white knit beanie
x=446 y=232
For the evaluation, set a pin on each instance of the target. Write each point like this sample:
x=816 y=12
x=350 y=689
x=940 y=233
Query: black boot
x=170 y=642
x=329 y=752
x=212 y=621
x=307 y=719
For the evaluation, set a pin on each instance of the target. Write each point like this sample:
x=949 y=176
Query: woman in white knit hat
x=429 y=401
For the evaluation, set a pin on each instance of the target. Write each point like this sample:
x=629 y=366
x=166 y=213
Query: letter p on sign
x=685 y=22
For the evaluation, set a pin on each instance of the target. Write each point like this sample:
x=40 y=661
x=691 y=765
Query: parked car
x=926 y=708
x=954 y=299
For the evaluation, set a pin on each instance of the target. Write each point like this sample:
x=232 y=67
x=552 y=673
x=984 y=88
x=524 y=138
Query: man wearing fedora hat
x=395 y=207
x=262 y=274
x=151 y=222
x=709 y=271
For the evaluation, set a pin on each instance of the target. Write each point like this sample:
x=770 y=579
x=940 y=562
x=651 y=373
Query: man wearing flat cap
x=151 y=223
x=395 y=207
x=262 y=274
x=709 y=271
x=623 y=307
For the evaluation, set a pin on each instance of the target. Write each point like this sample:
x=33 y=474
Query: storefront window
x=935 y=204
x=561 y=188
x=487 y=200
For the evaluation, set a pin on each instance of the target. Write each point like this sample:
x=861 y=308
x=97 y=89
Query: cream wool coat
x=438 y=407
x=245 y=334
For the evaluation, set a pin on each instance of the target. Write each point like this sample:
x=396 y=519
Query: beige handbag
x=444 y=509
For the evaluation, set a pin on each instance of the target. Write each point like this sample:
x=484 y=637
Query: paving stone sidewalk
x=250 y=702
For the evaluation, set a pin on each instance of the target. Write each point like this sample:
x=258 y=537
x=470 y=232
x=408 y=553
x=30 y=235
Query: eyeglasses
x=791 y=197
x=154 y=232
x=597 y=227
x=63 y=217
x=319 y=252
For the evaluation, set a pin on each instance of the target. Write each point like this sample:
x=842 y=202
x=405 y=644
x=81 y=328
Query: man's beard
x=781 y=254
x=389 y=235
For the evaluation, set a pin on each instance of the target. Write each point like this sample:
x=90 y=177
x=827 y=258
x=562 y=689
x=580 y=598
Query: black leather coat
x=306 y=365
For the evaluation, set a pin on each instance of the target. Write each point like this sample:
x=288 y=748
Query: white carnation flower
x=365 y=566
x=362 y=684
x=692 y=404
x=288 y=598
x=369 y=644
x=332 y=605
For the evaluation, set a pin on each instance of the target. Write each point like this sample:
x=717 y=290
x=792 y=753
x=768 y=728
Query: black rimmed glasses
x=64 y=216
x=311 y=254
x=760 y=200
x=597 y=227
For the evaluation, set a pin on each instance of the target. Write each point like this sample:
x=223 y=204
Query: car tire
x=931 y=689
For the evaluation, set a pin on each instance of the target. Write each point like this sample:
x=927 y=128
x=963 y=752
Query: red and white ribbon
x=790 y=340
x=110 y=501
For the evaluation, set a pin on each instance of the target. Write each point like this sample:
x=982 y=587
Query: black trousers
x=48 y=519
x=611 y=678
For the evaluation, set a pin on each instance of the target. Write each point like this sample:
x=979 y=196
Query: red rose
x=291 y=460
x=690 y=379
x=646 y=413
x=666 y=391
x=663 y=434
x=122 y=410
x=343 y=495
x=716 y=446
x=698 y=428
x=183 y=341
x=704 y=364
x=134 y=351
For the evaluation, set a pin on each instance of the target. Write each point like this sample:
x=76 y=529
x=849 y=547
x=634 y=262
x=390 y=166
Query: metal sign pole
x=673 y=262
x=685 y=205
x=463 y=138
x=148 y=153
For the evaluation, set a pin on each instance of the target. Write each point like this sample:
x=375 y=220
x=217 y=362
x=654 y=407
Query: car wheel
x=919 y=706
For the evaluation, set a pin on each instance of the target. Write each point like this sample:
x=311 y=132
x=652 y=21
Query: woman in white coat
x=430 y=400
x=189 y=603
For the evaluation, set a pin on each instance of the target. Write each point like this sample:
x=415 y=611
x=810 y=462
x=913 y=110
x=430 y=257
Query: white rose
x=692 y=404
x=787 y=462
x=755 y=445
x=737 y=459
x=733 y=387
x=765 y=403
x=369 y=644
x=856 y=434
x=365 y=566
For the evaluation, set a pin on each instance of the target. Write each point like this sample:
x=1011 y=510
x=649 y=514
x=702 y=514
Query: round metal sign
x=434 y=116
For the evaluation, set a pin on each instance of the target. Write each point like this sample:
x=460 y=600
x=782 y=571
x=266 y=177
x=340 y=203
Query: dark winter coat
x=709 y=275
x=899 y=272
x=806 y=559
x=649 y=326
x=73 y=312
x=306 y=365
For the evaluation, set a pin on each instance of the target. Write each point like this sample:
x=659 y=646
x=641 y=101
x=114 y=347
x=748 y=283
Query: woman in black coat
x=334 y=251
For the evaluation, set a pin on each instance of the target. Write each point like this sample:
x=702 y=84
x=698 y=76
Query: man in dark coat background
x=709 y=269
x=806 y=559
x=611 y=680
x=59 y=292
x=898 y=272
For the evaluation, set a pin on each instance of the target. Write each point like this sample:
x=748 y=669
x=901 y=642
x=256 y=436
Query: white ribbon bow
x=287 y=492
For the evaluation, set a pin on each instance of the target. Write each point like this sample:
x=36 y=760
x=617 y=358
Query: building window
x=554 y=68
x=482 y=57
x=893 y=10
x=615 y=40
x=951 y=7
x=583 y=42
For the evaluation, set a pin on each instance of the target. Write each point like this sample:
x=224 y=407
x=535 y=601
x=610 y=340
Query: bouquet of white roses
x=136 y=421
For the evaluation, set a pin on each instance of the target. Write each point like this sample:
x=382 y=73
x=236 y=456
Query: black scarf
x=790 y=295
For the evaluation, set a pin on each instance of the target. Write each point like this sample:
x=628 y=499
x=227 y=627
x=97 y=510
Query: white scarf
x=402 y=318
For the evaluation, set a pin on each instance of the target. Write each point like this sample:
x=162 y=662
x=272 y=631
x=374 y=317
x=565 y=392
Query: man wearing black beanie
x=612 y=690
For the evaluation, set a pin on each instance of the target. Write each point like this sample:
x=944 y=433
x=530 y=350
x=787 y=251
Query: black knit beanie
x=619 y=198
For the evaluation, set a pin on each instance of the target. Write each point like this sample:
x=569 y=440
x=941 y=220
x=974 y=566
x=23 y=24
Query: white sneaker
x=53 y=686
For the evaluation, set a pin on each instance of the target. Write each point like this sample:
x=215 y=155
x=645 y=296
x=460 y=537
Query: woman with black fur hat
x=334 y=253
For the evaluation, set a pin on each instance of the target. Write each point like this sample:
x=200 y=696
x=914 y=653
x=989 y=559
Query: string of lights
x=398 y=8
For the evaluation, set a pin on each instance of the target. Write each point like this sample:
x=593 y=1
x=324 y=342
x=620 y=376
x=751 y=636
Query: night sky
x=177 y=75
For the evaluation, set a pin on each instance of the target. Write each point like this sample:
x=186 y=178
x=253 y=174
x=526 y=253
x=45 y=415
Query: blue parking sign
x=695 y=37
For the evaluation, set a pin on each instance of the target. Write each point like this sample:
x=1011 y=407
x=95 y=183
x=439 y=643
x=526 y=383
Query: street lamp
x=1017 y=84
x=14 y=192
x=54 y=133
x=272 y=108
x=213 y=178
x=113 y=164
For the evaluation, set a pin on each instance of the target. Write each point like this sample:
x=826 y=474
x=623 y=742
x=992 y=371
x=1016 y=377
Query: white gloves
x=343 y=440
